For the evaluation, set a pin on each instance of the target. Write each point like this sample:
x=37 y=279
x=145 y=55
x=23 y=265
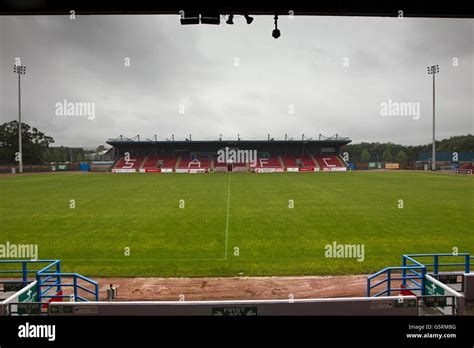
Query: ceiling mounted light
x=276 y=33
x=210 y=18
x=248 y=19
x=189 y=18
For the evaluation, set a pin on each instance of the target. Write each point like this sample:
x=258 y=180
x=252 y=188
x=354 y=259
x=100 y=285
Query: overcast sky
x=296 y=84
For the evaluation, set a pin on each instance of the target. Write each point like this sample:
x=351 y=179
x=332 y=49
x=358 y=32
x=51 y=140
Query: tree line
x=37 y=149
x=35 y=146
x=389 y=152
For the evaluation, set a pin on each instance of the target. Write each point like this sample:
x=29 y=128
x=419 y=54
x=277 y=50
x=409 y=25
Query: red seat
x=217 y=164
x=292 y=161
x=166 y=162
x=194 y=164
x=267 y=163
x=151 y=162
x=330 y=163
x=132 y=163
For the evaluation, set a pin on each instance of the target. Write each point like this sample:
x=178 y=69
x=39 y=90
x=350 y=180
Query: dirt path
x=243 y=288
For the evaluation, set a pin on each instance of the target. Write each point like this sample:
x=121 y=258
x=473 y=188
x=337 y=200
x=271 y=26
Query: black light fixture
x=276 y=33
x=248 y=19
x=210 y=18
x=189 y=18
x=230 y=19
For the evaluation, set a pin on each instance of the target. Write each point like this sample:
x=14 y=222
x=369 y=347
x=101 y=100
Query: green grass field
x=248 y=211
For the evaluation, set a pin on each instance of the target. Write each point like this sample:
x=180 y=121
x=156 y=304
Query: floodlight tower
x=433 y=70
x=20 y=70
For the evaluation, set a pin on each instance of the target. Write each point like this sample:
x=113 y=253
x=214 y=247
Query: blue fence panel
x=412 y=270
x=84 y=167
x=50 y=277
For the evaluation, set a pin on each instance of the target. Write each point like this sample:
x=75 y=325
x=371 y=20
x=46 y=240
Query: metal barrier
x=378 y=306
x=437 y=302
x=413 y=270
x=436 y=264
x=50 y=277
x=24 y=271
x=452 y=278
x=390 y=275
x=43 y=294
x=53 y=267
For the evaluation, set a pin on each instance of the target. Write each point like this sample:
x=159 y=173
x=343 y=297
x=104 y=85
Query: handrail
x=50 y=276
x=24 y=267
x=388 y=268
x=436 y=262
x=53 y=263
x=412 y=266
x=28 y=261
x=439 y=254
x=74 y=284
x=388 y=279
x=56 y=263
x=408 y=257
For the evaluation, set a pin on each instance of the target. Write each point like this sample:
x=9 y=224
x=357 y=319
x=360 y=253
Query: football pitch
x=231 y=224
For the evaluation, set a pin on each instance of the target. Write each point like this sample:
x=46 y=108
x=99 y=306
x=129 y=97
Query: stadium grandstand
x=133 y=155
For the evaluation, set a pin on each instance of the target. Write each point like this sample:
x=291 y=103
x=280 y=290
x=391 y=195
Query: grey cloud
x=173 y=65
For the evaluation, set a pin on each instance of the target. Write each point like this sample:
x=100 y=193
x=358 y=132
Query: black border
x=411 y=8
x=270 y=330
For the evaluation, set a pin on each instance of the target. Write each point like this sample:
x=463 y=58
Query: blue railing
x=24 y=271
x=50 y=277
x=413 y=273
x=436 y=264
x=47 y=284
x=393 y=273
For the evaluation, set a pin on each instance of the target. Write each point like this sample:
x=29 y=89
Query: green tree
x=401 y=157
x=365 y=156
x=62 y=154
x=461 y=143
x=387 y=154
x=33 y=142
x=80 y=157
x=47 y=156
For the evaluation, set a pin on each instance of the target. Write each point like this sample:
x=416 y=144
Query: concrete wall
x=380 y=306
